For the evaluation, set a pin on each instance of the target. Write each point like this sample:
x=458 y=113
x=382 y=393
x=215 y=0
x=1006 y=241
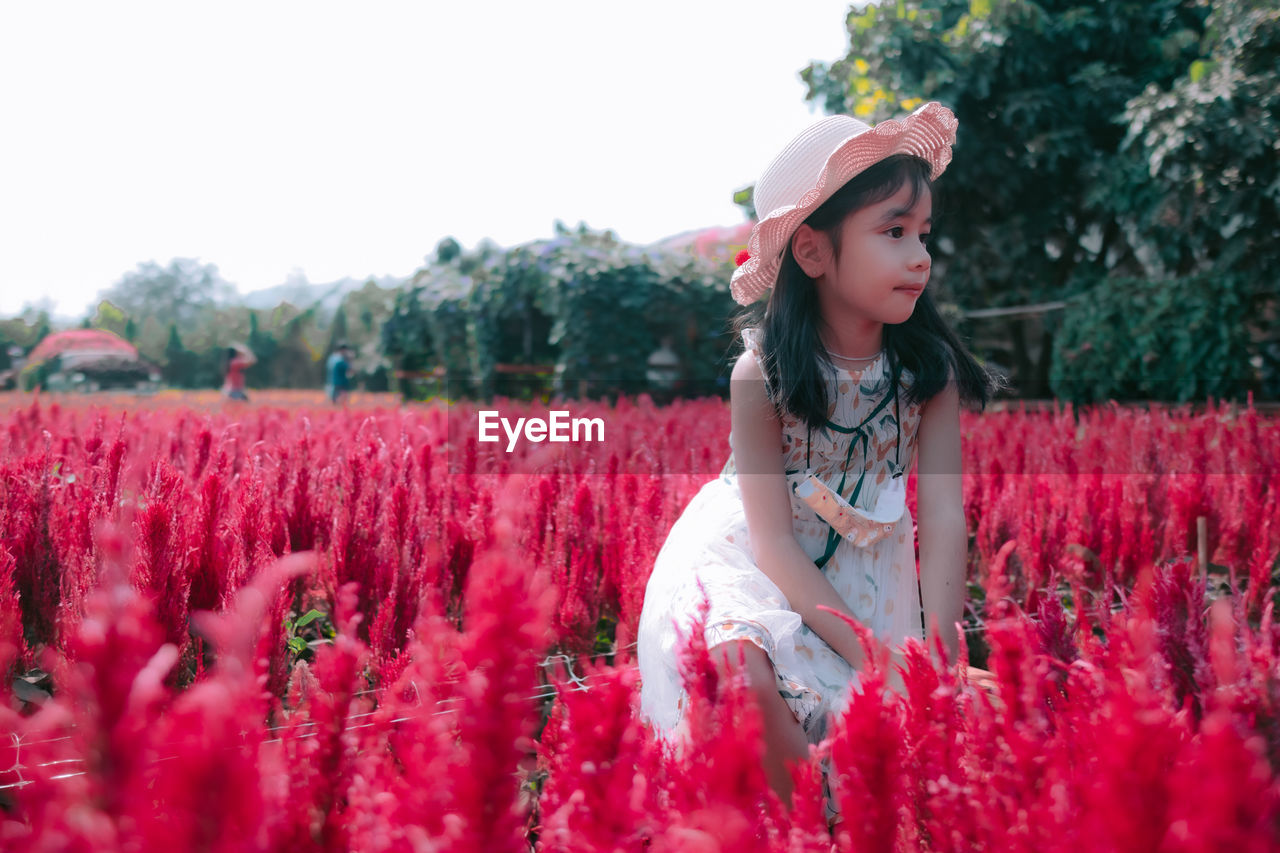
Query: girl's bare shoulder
x=747 y=367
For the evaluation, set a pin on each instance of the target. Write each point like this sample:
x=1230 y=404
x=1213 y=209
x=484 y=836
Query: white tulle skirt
x=708 y=551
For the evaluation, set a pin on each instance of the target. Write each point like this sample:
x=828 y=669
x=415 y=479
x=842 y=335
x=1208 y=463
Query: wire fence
x=560 y=668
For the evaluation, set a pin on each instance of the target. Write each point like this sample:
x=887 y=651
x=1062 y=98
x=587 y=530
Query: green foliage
x=34 y=376
x=406 y=336
x=22 y=332
x=585 y=302
x=510 y=322
x=1209 y=152
x=1099 y=143
x=338 y=333
x=448 y=250
x=1037 y=88
x=264 y=346
x=1209 y=145
x=179 y=361
x=1183 y=340
x=179 y=318
x=304 y=634
x=183 y=368
x=180 y=293
x=297 y=362
x=612 y=304
x=365 y=311
x=111 y=319
x=1207 y=161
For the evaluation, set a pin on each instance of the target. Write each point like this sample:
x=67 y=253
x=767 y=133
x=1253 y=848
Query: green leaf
x=865 y=21
x=307 y=618
x=297 y=645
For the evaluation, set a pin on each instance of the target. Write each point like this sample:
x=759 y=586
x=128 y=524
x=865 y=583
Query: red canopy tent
x=90 y=359
x=78 y=346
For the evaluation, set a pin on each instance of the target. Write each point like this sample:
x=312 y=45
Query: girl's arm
x=757 y=444
x=944 y=540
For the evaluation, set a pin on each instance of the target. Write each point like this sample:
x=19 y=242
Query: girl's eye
x=924 y=238
x=895 y=232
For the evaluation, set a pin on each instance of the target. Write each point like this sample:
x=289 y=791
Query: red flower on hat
x=741 y=258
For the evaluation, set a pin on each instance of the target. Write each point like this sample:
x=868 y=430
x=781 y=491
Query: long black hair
x=789 y=325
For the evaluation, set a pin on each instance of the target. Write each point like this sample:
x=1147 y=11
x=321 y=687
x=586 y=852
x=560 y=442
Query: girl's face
x=882 y=264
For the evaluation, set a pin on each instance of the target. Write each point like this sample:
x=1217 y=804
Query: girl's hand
x=983 y=679
x=893 y=672
x=893 y=681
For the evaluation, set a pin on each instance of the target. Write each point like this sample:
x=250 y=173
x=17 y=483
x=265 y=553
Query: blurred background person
x=337 y=372
x=239 y=359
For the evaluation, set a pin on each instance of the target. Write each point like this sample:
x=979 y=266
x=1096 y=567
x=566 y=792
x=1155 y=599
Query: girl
x=847 y=372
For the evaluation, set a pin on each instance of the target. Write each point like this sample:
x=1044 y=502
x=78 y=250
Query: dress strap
x=751 y=341
x=858 y=435
x=857 y=430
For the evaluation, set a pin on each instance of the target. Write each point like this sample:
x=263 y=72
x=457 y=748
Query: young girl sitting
x=847 y=373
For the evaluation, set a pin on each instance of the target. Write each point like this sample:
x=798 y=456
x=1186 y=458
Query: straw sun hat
x=820 y=161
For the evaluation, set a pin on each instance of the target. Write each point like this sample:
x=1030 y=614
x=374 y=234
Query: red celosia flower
x=1125 y=717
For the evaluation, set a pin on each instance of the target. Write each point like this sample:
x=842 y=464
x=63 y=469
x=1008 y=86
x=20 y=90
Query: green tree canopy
x=1210 y=146
x=1038 y=88
x=182 y=293
x=584 y=302
x=1099 y=143
x=111 y=319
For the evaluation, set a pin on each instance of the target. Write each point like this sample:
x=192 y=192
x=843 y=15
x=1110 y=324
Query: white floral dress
x=870 y=437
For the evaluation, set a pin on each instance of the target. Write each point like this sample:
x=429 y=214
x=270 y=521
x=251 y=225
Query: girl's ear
x=811 y=249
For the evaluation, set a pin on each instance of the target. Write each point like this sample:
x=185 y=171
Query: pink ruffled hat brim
x=928 y=133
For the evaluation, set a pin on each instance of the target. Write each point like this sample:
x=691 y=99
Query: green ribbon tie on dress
x=858 y=435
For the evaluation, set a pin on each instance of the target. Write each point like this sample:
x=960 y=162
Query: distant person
x=337 y=373
x=239 y=359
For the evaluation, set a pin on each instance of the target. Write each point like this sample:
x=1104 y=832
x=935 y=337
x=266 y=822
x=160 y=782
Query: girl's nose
x=920 y=260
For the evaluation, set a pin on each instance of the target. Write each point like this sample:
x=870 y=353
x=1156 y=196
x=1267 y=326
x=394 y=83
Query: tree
x=182 y=293
x=1204 y=191
x=264 y=346
x=1210 y=195
x=111 y=319
x=21 y=333
x=338 y=330
x=152 y=340
x=447 y=250
x=179 y=362
x=585 y=303
x=296 y=363
x=1040 y=89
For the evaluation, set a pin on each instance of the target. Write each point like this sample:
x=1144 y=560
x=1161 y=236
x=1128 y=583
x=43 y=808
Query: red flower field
x=284 y=626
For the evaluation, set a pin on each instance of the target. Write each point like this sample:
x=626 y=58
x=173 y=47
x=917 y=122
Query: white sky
x=347 y=139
